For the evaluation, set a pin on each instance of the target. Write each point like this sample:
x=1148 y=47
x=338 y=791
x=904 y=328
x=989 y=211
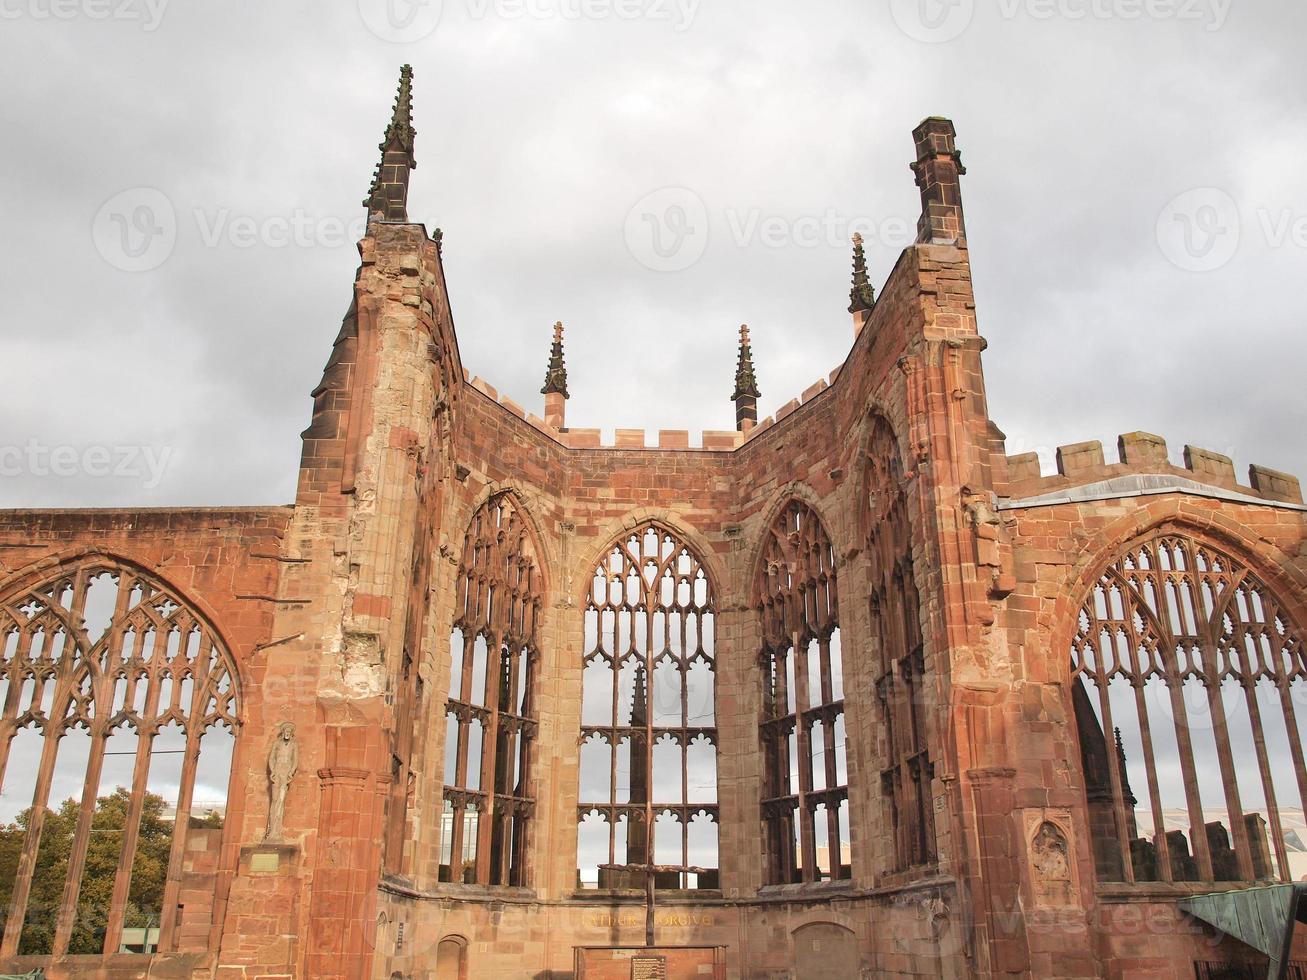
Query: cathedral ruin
x=844 y=692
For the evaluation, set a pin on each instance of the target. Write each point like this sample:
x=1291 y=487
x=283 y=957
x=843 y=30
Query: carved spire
x=388 y=196
x=746 y=385
x=862 y=297
x=556 y=375
x=555 y=389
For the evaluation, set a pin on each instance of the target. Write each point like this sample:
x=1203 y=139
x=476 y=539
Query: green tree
x=148 y=876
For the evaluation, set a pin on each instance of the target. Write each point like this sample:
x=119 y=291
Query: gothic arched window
x=805 y=796
x=111 y=686
x=1186 y=680
x=896 y=633
x=648 y=790
x=490 y=721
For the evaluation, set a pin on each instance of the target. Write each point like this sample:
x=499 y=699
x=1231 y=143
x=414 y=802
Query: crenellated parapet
x=1143 y=467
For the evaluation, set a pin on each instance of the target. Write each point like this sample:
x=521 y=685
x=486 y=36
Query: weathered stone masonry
x=993 y=823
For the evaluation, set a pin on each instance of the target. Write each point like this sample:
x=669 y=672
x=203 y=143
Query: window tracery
x=805 y=797
x=648 y=793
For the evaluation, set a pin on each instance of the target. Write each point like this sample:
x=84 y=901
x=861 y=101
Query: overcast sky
x=1111 y=302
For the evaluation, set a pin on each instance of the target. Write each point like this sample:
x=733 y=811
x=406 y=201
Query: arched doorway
x=451 y=959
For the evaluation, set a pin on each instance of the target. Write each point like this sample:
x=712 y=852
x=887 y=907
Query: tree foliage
x=148 y=872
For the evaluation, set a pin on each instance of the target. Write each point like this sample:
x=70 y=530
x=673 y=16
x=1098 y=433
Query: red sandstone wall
x=315 y=605
x=224 y=561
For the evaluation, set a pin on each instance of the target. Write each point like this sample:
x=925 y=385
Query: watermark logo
x=135 y=230
x=147 y=13
x=1199 y=231
x=679 y=13
x=299 y=229
x=401 y=21
x=667 y=231
x=827 y=230
x=933 y=21
x=144 y=463
x=1212 y=14
x=940 y=21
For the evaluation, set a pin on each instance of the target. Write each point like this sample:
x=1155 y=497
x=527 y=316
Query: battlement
x=710 y=440
x=1138 y=454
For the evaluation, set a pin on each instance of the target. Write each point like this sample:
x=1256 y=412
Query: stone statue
x=1050 y=861
x=283 y=760
x=1050 y=853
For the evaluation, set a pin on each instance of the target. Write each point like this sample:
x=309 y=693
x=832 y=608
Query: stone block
x=1080 y=458
x=1275 y=485
x=1212 y=466
x=1142 y=449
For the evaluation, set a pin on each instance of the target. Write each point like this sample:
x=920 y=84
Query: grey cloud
x=536 y=137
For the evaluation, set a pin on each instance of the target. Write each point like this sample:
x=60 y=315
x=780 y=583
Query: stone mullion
x=81 y=840
x=1129 y=597
x=615 y=734
x=1234 y=803
x=45 y=774
x=803 y=735
x=1295 y=740
x=828 y=739
x=827 y=681
x=457 y=821
x=132 y=826
x=1174 y=686
x=1188 y=769
x=1115 y=775
x=9 y=724
x=181 y=826
x=1264 y=768
x=489 y=752
x=31 y=841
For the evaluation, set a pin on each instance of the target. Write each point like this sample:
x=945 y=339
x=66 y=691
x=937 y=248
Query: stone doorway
x=451 y=959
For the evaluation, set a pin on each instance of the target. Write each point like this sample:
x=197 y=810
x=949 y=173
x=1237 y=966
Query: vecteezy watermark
x=1202 y=229
x=679 y=13
x=147 y=13
x=933 y=21
x=408 y=21
x=34 y=458
x=136 y=230
x=1199 y=230
x=401 y=21
x=827 y=230
x=299 y=228
x=1211 y=14
x=938 y=21
x=669 y=230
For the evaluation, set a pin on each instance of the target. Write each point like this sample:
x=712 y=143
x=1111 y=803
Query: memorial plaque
x=262 y=862
x=649 y=968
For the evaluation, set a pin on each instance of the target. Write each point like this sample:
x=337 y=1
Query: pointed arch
x=100 y=643
x=805 y=796
x=525 y=509
x=491 y=724
x=648 y=790
x=1186 y=674
x=637 y=520
x=885 y=520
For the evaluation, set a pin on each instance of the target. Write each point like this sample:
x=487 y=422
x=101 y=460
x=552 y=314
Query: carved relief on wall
x=1051 y=861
